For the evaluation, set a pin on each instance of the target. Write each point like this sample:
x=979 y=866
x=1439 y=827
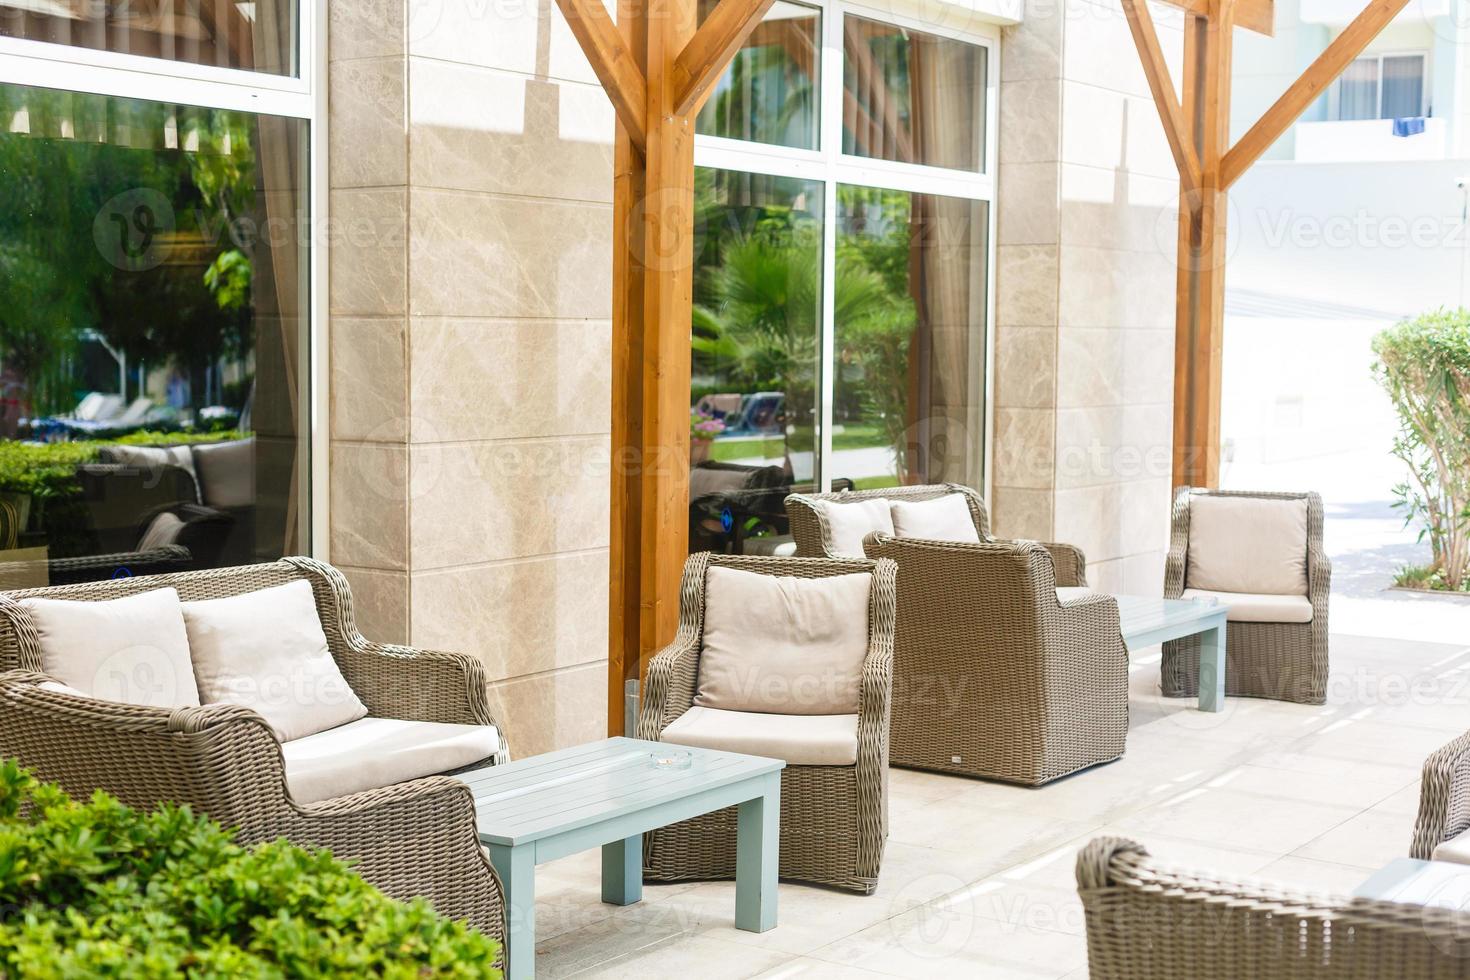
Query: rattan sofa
x=1149 y=921
x=416 y=838
x=995 y=675
x=1284 y=661
x=813 y=540
x=834 y=819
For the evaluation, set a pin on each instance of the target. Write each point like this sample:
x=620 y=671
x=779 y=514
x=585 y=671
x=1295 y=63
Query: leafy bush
x=96 y=889
x=49 y=469
x=1424 y=365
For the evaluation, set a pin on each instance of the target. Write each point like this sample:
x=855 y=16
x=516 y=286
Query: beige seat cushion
x=708 y=479
x=945 y=518
x=133 y=649
x=801 y=740
x=1069 y=592
x=1247 y=544
x=781 y=644
x=1251 y=607
x=266 y=650
x=375 y=752
x=848 y=523
x=1456 y=850
x=226 y=473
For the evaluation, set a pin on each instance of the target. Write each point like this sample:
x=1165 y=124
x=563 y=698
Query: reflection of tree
x=766 y=99
x=76 y=154
x=874 y=339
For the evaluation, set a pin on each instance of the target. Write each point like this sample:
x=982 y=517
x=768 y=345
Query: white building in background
x=1406 y=98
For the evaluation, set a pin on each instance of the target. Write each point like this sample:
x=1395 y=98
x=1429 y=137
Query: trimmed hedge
x=96 y=889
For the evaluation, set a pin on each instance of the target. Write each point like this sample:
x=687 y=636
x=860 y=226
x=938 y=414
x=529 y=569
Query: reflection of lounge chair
x=96 y=405
x=761 y=413
x=719 y=406
x=127 y=420
x=736 y=508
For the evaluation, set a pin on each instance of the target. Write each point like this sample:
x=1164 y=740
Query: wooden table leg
x=758 y=858
x=516 y=867
x=622 y=871
x=1212 y=668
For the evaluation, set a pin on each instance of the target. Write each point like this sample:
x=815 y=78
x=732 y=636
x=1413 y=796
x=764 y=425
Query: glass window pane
x=256 y=35
x=756 y=336
x=908 y=398
x=769 y=92
x=1403 y=86
x=912 y=97
x=153 y=327
x=1357 y=92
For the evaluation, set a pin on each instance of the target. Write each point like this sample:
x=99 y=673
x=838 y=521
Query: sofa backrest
x=18 y=643
x=808 y=524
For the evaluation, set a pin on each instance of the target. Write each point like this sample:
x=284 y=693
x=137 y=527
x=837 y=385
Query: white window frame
x=1378 y=58
x=832 y=167
x=43 y=64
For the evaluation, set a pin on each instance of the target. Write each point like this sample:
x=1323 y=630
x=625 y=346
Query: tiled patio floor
x=977 y=877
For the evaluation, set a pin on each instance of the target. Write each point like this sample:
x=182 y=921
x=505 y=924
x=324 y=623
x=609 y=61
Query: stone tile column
x=1085 y=284
x=471 y=178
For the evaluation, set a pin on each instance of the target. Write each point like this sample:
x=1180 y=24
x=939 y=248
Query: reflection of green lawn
x=874 y=482
x=774 y=447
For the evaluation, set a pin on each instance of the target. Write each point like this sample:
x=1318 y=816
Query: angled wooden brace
x=1181 y=143
x=612 y=62
x=708 y=53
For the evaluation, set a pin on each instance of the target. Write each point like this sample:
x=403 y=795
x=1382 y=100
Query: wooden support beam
x=1312 y=83
x=1181 y=142
x=1253 y=15
x=668 y=292
x=612 y=62
x=1200 y=311
x=704 y=58
x=625 y=499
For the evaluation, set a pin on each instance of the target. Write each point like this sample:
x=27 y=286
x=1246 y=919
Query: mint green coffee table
x=609 y=794
x=1145 y=622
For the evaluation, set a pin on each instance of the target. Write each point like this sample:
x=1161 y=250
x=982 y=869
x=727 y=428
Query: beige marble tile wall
x=1085 y=292
x=471 y=281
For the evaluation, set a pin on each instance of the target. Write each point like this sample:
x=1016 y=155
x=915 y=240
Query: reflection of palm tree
x=763 y=328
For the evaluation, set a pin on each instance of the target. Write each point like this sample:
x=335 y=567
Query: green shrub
x=96 y=889
x=1424 y=365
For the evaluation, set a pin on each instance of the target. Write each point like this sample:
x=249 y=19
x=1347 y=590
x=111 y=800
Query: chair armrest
x=412 y=839
x=1068 y=561
x=1444 y=798
x=668 y=690
x=1175 y=561
x=90 y=568
x=875 y=692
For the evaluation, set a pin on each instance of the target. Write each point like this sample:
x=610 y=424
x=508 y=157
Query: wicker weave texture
x=1283 y=661
x=1149 y=921
x=1444 y=798
x=834 y=819
x=413 y=839
x=993 y=677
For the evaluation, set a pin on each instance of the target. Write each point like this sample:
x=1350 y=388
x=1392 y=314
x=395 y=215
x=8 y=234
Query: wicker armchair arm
x=668 y=689
x=1070 y=563
x=1444 y=798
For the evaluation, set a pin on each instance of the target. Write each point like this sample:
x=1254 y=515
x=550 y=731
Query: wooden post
x=657 y=69
x=1198 y=130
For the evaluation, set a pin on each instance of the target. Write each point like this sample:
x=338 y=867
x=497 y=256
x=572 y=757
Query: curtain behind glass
x=1357 y=92
x=1403 y=86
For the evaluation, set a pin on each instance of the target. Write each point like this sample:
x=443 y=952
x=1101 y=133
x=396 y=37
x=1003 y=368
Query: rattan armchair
x=1284 y=661
x=813 y=539
x=1149 y=921
x=1444 y=798
x=415 y=838
x=834 y=819
x=994 y=675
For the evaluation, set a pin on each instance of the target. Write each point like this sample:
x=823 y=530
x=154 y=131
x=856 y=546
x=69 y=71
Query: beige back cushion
x=848 y=523
x=266 y=650
x=226 y=473
x=783 y=645
x=1247 y=544
x=945 y=518
x=132 y=649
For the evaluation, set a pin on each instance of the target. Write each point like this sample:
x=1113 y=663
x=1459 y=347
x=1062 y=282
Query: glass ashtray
x=672 y=759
